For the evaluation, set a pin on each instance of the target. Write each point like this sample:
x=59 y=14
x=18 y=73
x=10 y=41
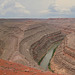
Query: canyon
x=32 y=42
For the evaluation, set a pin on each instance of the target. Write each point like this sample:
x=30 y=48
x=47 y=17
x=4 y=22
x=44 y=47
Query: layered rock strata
x=27 y=41
x=40 y=48
x=16 y=40
x=64 y=59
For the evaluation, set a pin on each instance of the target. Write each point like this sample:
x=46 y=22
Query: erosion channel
x=44 y=62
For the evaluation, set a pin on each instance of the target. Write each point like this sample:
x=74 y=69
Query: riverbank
x=46 y=59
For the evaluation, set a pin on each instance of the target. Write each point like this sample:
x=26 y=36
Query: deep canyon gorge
x=44 y=44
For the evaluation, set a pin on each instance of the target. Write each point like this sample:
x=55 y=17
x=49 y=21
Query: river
x=46 y=60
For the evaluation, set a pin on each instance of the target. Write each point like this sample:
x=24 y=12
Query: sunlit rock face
x=64 y=59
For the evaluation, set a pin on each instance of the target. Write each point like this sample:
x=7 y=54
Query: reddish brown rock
x=9 y=68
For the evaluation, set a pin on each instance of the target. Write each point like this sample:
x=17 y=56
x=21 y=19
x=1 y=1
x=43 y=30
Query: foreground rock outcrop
x=63 y=61
x=9 y=68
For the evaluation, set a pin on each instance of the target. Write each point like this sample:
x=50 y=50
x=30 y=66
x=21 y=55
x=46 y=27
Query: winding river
x=46 y=60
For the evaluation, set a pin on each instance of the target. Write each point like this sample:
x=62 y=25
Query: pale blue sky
x=37 y=8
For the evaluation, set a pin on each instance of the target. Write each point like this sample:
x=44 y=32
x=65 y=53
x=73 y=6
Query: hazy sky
x=37 y=8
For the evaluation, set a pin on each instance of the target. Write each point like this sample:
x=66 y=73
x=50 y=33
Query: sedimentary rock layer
x=16 y=41
x=64 y=59
x=40 y=48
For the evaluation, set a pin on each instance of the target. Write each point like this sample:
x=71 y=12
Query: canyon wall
x=41 y=47
x=27 y=41
x=18 y=38
x=63 y=62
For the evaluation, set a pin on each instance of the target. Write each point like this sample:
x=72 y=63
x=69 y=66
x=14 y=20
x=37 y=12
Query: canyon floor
x=25 y=43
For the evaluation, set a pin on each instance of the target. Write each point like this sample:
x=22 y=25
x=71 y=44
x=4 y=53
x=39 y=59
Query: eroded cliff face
x=16 y=41
x=64 y=59
x=41 y=47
